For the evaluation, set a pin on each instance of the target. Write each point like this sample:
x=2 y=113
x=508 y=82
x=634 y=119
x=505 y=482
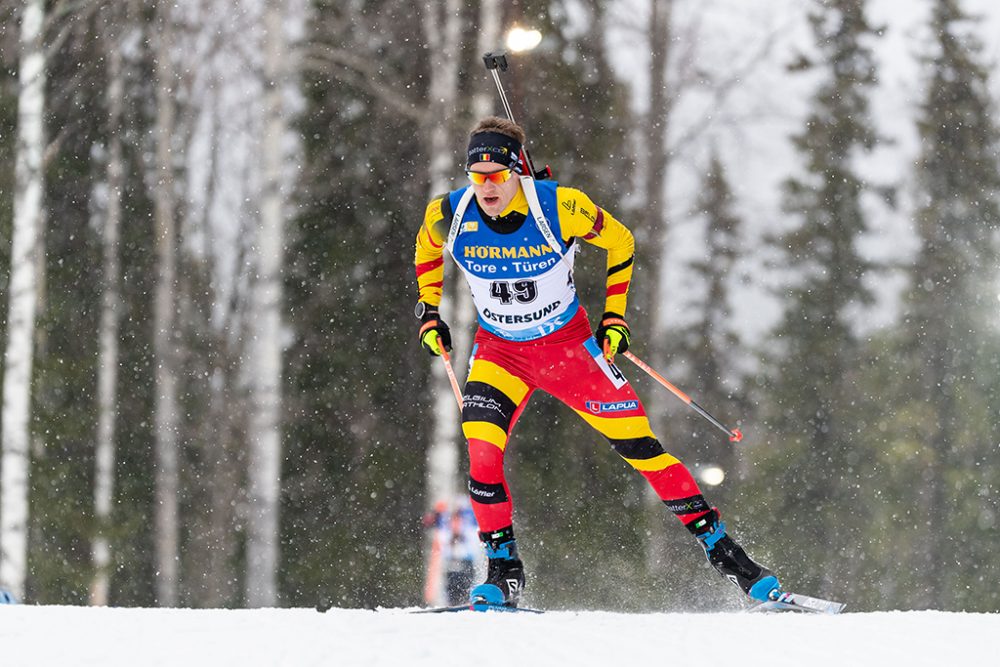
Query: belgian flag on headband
x=485 y=157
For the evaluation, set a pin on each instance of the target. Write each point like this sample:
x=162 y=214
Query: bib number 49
x=507 y=292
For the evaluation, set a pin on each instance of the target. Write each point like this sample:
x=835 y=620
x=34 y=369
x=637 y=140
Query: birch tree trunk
x=650 y=243
x=107 y=364
x=655 y=174
x=18 y=356
x=218 y=219
x=488 y=40
x=265 y=423
x=216 y=537
x=166 y=411
x=442 y=27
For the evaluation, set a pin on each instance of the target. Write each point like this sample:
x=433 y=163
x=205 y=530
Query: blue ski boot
x=731 y=560
x=504 y=572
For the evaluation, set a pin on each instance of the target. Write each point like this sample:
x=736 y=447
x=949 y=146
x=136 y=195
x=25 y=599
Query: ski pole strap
x=429 y=324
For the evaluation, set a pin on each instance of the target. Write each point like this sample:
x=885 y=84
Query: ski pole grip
x=495 y=61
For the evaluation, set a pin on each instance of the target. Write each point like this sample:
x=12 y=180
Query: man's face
x=494 y=197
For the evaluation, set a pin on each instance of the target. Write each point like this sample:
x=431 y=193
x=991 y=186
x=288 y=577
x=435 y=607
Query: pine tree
x=358 y=380
x=710 y=344
x=707 y=351
x=952 y=304
x=814 y=461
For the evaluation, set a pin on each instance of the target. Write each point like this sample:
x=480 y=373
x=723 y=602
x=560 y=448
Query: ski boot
x=504 y=572
x=731 y=560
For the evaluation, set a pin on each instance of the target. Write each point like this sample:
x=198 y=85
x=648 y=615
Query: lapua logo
x=598 y=407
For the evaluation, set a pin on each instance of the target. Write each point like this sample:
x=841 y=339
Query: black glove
x=434 y=332
x=615 y=330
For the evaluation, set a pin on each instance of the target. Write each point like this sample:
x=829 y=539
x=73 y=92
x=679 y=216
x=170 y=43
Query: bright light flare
x=711 y=475
x=522 y=39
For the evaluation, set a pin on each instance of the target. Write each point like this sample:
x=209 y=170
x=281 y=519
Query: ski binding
x=782 y=601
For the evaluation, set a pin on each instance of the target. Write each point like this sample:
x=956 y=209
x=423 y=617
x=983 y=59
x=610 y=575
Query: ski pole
x=446 y=358
x=734 y=434
x=496 y=63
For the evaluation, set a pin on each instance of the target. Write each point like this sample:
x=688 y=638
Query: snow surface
x=112 y=637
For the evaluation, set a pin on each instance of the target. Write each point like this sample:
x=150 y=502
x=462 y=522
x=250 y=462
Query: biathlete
x=514 y=239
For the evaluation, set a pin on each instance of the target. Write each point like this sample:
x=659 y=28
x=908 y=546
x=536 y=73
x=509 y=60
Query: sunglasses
x=497 y=177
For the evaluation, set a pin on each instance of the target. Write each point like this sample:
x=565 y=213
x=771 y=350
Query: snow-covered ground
x=81 y=636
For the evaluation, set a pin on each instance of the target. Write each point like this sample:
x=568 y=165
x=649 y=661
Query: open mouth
x=491 y=201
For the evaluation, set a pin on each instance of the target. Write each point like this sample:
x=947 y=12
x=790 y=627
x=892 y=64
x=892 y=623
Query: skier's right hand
x=434 y=332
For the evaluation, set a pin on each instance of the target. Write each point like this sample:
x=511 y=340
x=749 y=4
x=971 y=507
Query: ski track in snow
x=41 y=636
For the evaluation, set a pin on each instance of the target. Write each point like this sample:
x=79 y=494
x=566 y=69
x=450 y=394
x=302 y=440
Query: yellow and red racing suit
x=534 y=334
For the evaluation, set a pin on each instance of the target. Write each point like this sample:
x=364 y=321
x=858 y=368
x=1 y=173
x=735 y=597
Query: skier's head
x=496 y=140
x=494 y=156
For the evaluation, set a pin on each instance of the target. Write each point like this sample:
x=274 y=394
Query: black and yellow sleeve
x=429 y=257
x=580 y=217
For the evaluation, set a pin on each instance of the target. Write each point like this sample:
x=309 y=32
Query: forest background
x=213 y=392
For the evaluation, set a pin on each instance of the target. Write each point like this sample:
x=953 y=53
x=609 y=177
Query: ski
x=799 y=603
x=480 y=607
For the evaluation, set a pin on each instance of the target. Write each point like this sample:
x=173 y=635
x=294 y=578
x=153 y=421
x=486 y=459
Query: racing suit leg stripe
x=637 y=448
x=619 y=428
x=644 y=454
x=486 y=432
x=485 y=403
x=654 y=464
x=487 y=372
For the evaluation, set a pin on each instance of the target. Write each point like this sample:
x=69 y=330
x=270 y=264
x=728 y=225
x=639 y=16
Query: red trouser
x=501 y=379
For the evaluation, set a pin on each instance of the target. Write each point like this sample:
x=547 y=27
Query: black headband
x=495 y=147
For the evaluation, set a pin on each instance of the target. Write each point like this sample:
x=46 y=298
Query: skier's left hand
x=612 y=335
